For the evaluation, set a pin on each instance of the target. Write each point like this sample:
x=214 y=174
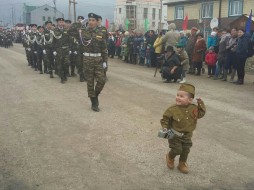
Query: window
x=145 y=14
x=207 y=10
x=179 y=12
x=235 y=7
x=131 y=12
x=49 y=18
x=120 y=10
x=43 y=18
x=154 y=13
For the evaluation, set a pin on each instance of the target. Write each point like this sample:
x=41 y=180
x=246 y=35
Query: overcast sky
x=105 y=8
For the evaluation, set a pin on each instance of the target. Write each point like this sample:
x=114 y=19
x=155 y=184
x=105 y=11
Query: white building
x=39 y=15
x=136 y=11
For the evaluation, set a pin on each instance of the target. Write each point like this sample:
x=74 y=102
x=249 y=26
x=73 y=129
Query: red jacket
x=211 y=58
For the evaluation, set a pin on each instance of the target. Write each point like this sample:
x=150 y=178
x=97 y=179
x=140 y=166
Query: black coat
x=242 y=47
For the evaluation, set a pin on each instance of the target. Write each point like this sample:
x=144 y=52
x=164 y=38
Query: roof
x=177 y=2
x=28 y=9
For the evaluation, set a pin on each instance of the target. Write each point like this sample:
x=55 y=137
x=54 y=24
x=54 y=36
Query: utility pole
x=160 y=27
x=54 y=1
x=69 y=10
x=74 y=8
x=220 y=14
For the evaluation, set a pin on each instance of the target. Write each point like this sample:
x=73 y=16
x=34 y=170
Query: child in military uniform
x=182 y=118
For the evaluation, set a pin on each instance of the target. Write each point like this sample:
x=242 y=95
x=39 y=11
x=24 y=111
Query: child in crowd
x=182 y=118
x=211 y=59
x=142 y=54
x=148 y=55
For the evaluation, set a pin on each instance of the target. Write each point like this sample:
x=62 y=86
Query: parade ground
x=50 y=139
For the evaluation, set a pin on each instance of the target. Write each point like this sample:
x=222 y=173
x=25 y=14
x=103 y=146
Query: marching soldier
x=74 y=33
x=26 y=45
x=33 y=53
x=48 y=57
x=67 y=26
x=61 y=47
x=39 y=48
x=95 y=57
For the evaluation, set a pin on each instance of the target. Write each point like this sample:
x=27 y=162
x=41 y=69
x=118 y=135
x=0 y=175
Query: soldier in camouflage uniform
x=95 y=58
x=33 y=53
x=61 y=47
x=26 y=45
x=48 y=57
x=76 y=59
x=67 y=27
x=39 y=48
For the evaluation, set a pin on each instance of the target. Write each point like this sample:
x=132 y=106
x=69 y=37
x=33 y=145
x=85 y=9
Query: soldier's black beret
x=68 y=21
x=39 y=27
x=81 y=17
x=47 y=22
x=92 y=15
x=33 y=25
x=59 y=19
x=99 y=17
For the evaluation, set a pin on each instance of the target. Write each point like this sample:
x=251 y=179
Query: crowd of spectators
x=224 y=52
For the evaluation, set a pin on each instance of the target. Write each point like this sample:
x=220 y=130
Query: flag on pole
x=248 y=23
x=146 y=25
x=107 y=24
x=127 y=22
x=185 y=23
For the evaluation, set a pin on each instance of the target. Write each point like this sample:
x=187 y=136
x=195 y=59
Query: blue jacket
x=212 y=41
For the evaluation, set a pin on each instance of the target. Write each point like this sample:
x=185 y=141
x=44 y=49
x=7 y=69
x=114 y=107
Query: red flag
x=107 y=24
x=185 y=23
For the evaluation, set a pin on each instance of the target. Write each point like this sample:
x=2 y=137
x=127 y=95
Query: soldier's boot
x=62 y=80
x=46 y=70
x=232 y=75
x=73 y=74
x=51 y=74
x=81 y=78
x=94 y=106
x=182 y=167
x=41 y=72
x=170 y=161
x=65 y=76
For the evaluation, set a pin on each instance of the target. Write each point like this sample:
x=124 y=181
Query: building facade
x=39 y=15
x=137 y=11
x=201 y=12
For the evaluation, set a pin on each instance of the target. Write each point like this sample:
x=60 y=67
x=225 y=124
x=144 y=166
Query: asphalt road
x=51 y=140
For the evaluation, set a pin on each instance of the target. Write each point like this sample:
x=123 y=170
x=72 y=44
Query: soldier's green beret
x=47 y=22
x=186 y=87
x=59 y=19
x=68 y=21
x=92 y=15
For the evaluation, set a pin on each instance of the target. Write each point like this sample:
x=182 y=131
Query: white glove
x=44 y=52
x=104 y=65
x=75 y=52
x=35 y=52
x=28 y=49
x=54 y=53
x=70 y=52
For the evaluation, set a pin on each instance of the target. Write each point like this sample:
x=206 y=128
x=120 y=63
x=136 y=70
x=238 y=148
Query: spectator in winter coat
x=198 y=55
x=212 y=40
x=138 y=41
x=211 y=59
x=171 y=37
x=158 y=47
x=183 y=39
x=242 y=54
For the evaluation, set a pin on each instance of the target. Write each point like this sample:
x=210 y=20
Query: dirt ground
x=51 y=140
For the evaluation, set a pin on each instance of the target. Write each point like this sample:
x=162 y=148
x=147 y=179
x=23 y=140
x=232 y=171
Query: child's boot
x=182 y=166
x=170 y=161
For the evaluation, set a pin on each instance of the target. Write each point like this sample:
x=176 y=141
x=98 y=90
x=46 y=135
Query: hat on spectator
x=179 y=45
x=194 y=28
x=186 y=87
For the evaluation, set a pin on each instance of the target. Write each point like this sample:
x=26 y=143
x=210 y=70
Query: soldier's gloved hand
x=54 y=53
x=70 y=52
x=35 y=52
x=104 y=65
x=75 y=52
x=44 y=52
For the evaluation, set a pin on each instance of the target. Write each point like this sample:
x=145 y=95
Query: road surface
x=51 y=140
